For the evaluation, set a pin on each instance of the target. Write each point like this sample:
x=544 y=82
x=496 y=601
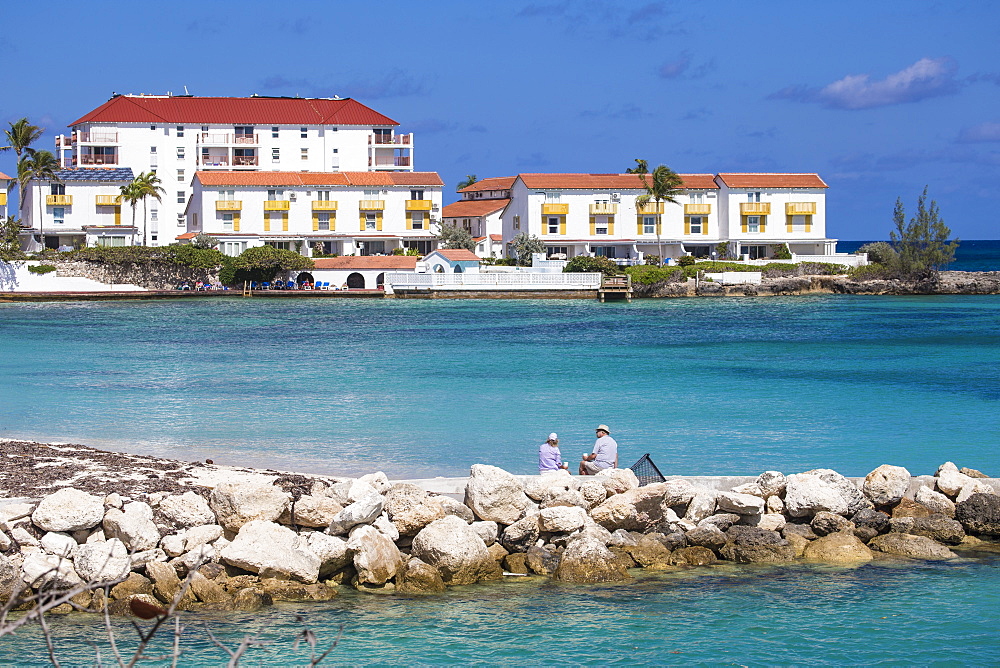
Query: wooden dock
x=615 y=287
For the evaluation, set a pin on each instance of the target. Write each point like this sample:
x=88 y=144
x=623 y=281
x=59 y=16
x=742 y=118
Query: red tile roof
x=187 y=235
x=5 y=177
x=772 y=180
x=406 y=262
x=236 y=110
x=496 y=237
x=457 y=254
x=494 y=183
x=473 y=207
x=224 y=178
x=608 y=181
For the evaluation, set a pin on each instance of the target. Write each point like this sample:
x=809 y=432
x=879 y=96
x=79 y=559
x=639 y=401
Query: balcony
x=324 y=205
x=225 y=139
x=108 y=200
x=650 y=208
x=553 y=209
x=800 y=208
x=603 y=209
x=214 y=160
x=62 y=141
x=418 y=204
x=245 y=160
x=400 y=140
x=697 y=209
x=97 y=137
x=372 y=205
x=755 y=208
x=229 y=205
x=59 y=200
x=276 y=205
x=90 y=159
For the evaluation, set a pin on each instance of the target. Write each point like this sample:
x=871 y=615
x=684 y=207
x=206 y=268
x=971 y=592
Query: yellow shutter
x=409 y=220
x=638 y=225
x=743 y=224
x=611 y=224
x=809 y=223
x=333 y=220
x=362 y=221
x=593 y=225
x=378 y=221
x=118 y=215
x=267 y=221
x=284 y=221
x=789 y=223
x=315 y=222
x=562 y=225
x=704 y=224
x=236 y=221
x=763 y=224
x=687 y=225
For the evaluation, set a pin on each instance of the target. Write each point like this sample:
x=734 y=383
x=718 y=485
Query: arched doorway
x=380 y=280
x=356 y=280
x=304 y=277
x=458 y=269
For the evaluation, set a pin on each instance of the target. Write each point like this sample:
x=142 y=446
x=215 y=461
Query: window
x=601 y=230
x=604 y=251
x=305 y=153
x=649 y=224
x=418 y=219
x=244 y=133
x=753 y=223
x=152 y=150
x=323 y=222
x=336 y=151
x=232 y=248
x=370 y=220
x=467 y=225
x=323 y=195
x=227 y=195
x=697 y=198
x=382 y=136
x=58 y=215
x=371 y=194
x=373 y=248
x=695 y=224
x=180 y=152
x=423 y=247
x=152 y=127
x=180 y=175
x=281 y=245
x=57 y=189
x=180 y=130
x=111 y=241
x=274 y=132
x=204 y=128
x=552 y=225
x=556 y=250
x=153 y=214
x=416 y=194
x=517 y=222
x=552 y=198
x=275 y=194
x=180 y=197
x=227 y=221
x=755 y=252
x=304 y=133
x=753 y=196
x=275 y=155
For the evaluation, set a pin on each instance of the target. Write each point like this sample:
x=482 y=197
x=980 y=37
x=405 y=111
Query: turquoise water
x=424 y=388
x=886 y=614
x=972 y=255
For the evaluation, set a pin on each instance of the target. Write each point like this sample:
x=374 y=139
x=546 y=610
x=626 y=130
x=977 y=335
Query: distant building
x=5 y=183
x=480 y=212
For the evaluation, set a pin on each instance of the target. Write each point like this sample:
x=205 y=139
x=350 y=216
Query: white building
x=342 y=213
x=5 y=183
x=178 y=135
x=83 y=207
x=356 y=272
x=480 y=213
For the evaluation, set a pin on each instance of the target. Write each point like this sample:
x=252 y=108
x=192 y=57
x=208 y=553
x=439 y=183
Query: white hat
x=553 y=436
x=603 y=427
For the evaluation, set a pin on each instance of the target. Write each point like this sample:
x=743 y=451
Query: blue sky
x=879 y=98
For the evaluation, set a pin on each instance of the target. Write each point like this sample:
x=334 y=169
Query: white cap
x=553 y=436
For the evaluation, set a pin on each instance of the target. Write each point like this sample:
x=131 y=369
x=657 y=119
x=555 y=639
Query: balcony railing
x=245 y=161
x=404 y=140
x=97 y=137
x=64 y=141
x=88 y=159
x=215 y=160
x=372 y=205
x=59 y=200
x=276 y=205
x=697 y=209
x=108 y=200
x=229 y=205
x=755 y=208
x=603 y=209
x=324 y=205
x=800 y=208
x=225 y=138
x=418 y=204
x=552 y=209
x=651 y=208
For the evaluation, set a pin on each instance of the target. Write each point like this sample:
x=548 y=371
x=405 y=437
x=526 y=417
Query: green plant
x=466 y=182
x=685 y=260
x=452 y=236
x=523 y=245
x=412 y=252
x=10 y=243
x=261 y=263
x=587 y=264
x=664 y=185
x=880 y=252
x=922 y=244
x=41 y=269
x=647 y=274
x=202 y=240
x=781 y=252
x=654 y=260
x=722 y=250
x=871 y=272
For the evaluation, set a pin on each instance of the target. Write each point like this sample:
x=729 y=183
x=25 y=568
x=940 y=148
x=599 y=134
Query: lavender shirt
x=549 y=458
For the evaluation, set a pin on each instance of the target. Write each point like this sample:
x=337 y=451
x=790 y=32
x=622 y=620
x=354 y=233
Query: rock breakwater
x=241 y=544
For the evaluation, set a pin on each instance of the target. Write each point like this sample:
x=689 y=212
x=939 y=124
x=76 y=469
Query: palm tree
x=666 y=185
x=130 y=195
x=469 y=180
x=147 y=185
x=20 y=137
x=641 y=167
x=37 y=166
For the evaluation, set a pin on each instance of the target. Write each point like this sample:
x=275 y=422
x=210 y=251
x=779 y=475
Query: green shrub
x=648 y=275
x=584 y=263
x=881 y=252
x=872 y=272
x=654 y=260
x=686 y=260
x=41 y=269
x=781 y=252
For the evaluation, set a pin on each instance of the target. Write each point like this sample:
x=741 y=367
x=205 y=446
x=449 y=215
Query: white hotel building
x=179 y=135
x=596 y=214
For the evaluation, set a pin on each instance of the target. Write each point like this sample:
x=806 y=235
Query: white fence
x=735 y=277
x=846 y=259
x=513 y=281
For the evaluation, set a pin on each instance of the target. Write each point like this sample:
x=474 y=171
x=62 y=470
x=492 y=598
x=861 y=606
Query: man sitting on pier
x=605 y=454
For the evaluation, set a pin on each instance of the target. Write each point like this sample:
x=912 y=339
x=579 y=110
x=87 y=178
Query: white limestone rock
x=769 y=521
x=562 y=519
x=147 y=557
x=5 y=543
x=455 y=550
x=173 y=544
x=495 y=495
x=378 y=481
x=133 y=526
x=23 y=537
x=410 y=508
x=847 y=489
x=593 y=492
x=935 y=501
x=974 y=486
x=102 y=561
x=537 y=486
x=9 y=512
x=741 y=504
x=775 y=504
x=312 y=511
x=488 y=531
x=68 y=510
x=887 y=484
x=751 y=488
x=389 y=529
x=201 y=535
x=702 y=505
x=362 y=511
x=235 y=504
x=555 y=496
x=771 y=483
x=114 y=500
x=332 y=552
x=950 y=481
x=807 y=494
x=376 y=558
x=202 y=554
x=187 y=510
x=637 y=509
x=452 y=507
x=617 y=481
x=59 y=544
x=271 y=550
x=49 y=572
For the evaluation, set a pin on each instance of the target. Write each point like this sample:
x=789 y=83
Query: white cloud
x=984 y=132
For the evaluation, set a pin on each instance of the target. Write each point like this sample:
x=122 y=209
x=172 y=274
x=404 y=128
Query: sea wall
x=149 y=276
x=248 y=542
